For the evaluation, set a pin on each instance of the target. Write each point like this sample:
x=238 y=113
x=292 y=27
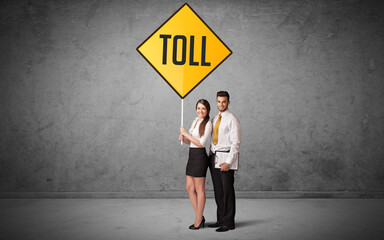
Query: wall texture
x=82 y=111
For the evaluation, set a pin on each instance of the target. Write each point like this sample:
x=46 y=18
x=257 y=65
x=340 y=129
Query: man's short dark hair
x=223 y=94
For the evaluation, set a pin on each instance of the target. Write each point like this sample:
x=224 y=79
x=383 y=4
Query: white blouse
x=194 y=131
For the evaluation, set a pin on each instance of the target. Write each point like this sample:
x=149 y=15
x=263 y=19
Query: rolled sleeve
x=234 y=136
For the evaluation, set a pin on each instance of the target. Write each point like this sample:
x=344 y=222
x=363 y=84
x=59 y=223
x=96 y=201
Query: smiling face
x=201 y=111
x=222 y=103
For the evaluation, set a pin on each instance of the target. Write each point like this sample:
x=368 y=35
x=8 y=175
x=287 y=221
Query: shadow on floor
x=245 y=223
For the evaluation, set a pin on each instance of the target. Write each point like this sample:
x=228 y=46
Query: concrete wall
x=82 y=111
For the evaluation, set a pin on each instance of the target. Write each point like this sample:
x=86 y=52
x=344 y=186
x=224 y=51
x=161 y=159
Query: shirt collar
x=224 y=113
x=198 y=120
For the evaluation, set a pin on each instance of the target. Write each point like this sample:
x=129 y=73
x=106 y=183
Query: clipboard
x=221 y=157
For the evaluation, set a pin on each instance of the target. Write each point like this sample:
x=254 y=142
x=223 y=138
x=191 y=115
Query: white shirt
x=194 y=131
x=229 y=135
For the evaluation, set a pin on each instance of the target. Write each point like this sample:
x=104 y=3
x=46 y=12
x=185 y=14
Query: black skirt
x=197 y=162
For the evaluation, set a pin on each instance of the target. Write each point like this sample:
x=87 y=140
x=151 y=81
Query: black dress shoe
x=215 y=225
x=224 y=228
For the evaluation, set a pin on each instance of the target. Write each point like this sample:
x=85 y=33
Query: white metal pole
x=182 y=114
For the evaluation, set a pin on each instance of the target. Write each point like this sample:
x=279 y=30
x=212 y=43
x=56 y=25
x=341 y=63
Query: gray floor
x=95 y=219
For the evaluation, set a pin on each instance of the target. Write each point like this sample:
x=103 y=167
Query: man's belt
x=223 y=151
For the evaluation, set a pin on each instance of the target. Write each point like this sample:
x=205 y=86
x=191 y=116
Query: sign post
x=182 y=115
x=184 y=51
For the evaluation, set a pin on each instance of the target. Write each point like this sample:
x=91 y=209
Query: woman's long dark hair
x=206 y=119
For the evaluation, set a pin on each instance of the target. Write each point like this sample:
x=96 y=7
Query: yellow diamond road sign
x=184 y=50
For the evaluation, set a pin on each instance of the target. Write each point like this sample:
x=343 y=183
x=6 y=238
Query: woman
x=198 y=161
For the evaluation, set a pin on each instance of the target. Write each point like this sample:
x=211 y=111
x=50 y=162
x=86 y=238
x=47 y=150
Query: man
x=226 y=139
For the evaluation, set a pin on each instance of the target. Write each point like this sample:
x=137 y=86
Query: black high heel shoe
x=192 y=227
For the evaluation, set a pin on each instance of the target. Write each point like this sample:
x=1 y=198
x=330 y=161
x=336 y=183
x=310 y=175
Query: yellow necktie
x=215 y=137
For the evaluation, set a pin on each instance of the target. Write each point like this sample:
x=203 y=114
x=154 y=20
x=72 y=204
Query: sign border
x=230 y=51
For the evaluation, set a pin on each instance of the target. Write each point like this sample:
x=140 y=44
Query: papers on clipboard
x=221 y=157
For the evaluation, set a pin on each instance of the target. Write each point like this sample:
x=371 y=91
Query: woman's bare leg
x=199 y=184
x=192 y=192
